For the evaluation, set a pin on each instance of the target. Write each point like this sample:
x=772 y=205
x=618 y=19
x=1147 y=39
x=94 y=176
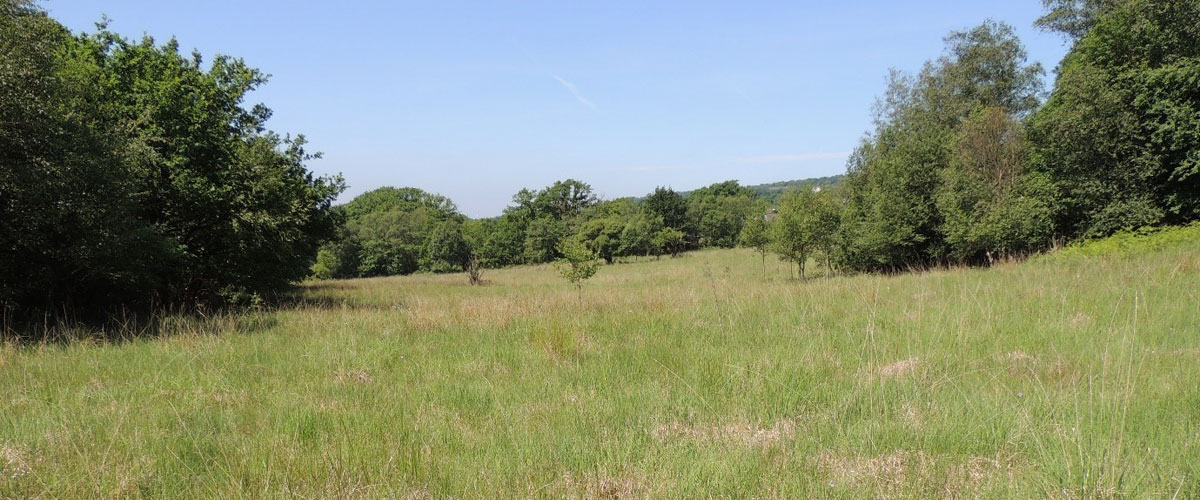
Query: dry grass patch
x=741 y=433
x=1019 y=363
x=1079 y=320
x=13 y=463
x=885 y=474
x=912 y=415
x=596 y=486
x=899 y=368
x=902 y=472
x=1062 y=372
x=352 y=376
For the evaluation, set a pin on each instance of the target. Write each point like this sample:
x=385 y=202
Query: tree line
x=968 y=164
x=404 y=230
x=131 y=173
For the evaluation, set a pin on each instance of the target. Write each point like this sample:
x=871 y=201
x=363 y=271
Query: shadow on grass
x=66 y=326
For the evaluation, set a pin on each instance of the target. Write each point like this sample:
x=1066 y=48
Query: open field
x=690 y=377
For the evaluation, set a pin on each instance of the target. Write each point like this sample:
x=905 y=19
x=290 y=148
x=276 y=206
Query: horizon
x=624 y=96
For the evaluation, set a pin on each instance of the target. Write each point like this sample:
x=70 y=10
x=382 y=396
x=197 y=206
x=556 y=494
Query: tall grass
x=1073 y=377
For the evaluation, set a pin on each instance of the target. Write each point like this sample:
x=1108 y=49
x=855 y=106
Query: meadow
x=1073 y=375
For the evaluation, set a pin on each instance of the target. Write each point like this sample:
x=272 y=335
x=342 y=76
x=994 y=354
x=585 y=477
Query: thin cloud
x=794 y=158
x=575 y=92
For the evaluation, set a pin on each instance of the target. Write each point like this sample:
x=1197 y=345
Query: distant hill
x=773 y=190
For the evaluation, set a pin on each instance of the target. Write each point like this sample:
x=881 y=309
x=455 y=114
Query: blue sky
x=475 y=100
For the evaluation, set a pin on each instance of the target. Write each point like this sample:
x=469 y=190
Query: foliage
x=670 y=240
x=895 y=179
x=1141 y=241
x=770 y=192
x=446 y=250
x=669 y=206
x=1073 y=18
x=132 y=173
x=637 y=237
x=756 y=234
x=602 y=237
x=807 y=222
x=578 y=262
x=717 y=213
x=389 y=231
x=990 y=205
x=503 y=242
x=563 y=199
x=1120 y=135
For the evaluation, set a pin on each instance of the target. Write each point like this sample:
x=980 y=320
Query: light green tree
x=756 y=234
x=578 y=263
x=808 y=222
x=670 y=240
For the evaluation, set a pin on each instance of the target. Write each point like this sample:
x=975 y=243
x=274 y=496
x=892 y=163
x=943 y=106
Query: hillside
x=702 y=376
x=773 y=190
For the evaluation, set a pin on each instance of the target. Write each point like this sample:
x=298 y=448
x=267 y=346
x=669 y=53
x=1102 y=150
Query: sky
x=476 y=100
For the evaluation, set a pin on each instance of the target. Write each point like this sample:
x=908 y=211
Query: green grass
x=1072 y=377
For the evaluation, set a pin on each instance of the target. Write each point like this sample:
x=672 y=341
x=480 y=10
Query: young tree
x=756 y=234
x=577 y=264
x=808 y=221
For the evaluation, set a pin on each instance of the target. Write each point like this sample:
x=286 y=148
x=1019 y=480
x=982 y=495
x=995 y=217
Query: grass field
x=1076 y=376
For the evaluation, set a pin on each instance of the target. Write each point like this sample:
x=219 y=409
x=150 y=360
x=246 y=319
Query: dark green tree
x=668 y=205
x=1120 y=134
x=446 y=250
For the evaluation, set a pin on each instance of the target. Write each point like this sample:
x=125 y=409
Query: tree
x=891 y=219
x=637 y=237
x=388 y=230
x=564 y=199
x=133 y=175
x=669 y=206
x=1073 y=18
x=446 y=250
x=503 y=242
x=1120 y=134
x=756 y=234
x=670 y=240
x=795 y=237
x=542 y=239
x=990 y=204
x=602 y=237
x=577 y=264
x=716 y=213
